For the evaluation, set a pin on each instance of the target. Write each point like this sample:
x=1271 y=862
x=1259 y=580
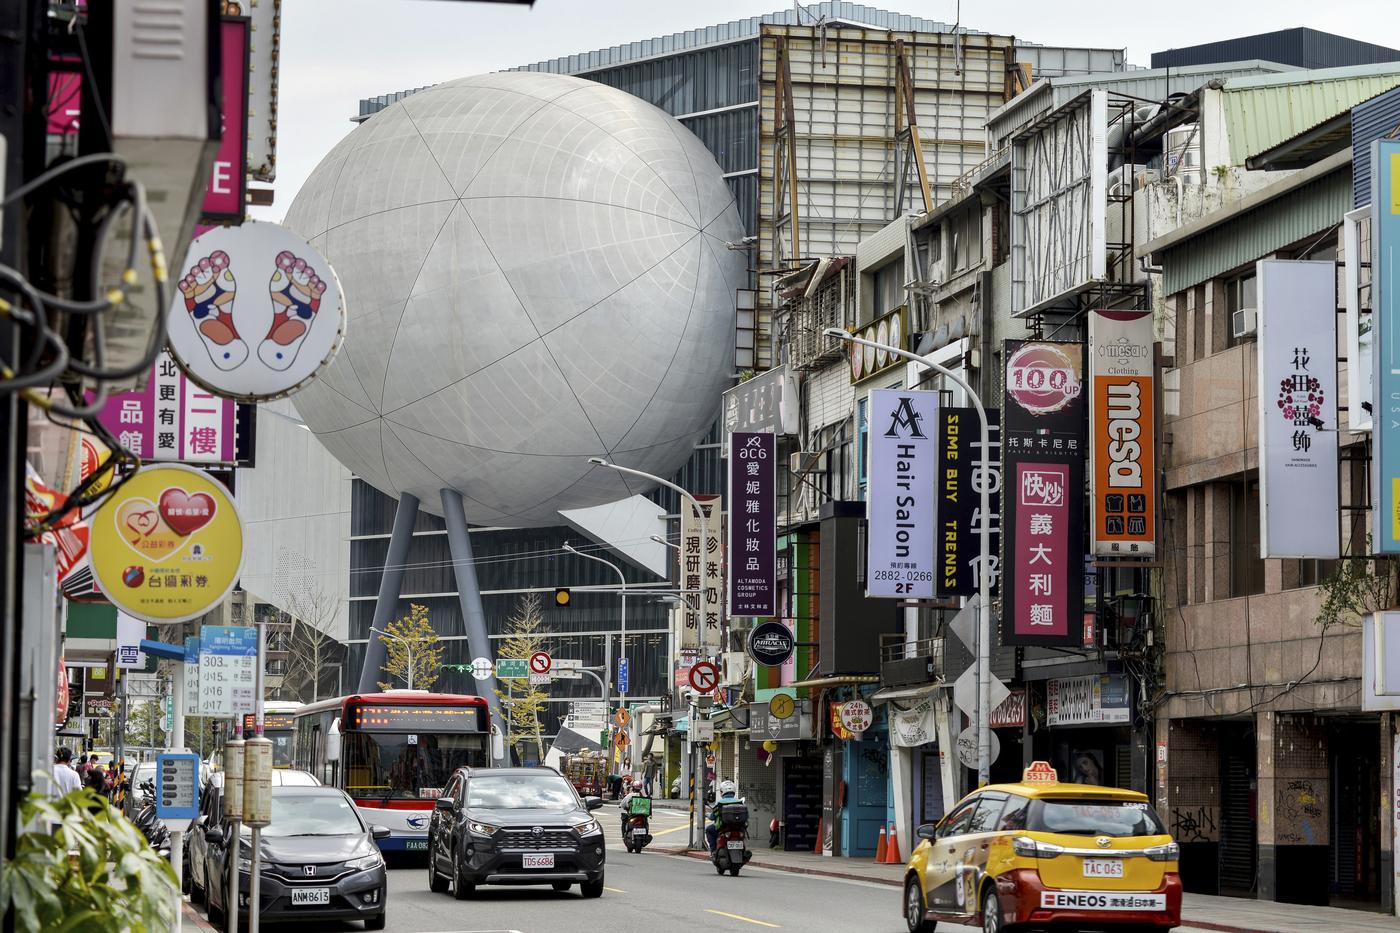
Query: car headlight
x=482 y=829
x=365 y=862
x=1026 y=847
x=1164 y=853
x=588 y=828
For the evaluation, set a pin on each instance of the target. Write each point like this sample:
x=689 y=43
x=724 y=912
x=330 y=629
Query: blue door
x=867 y=794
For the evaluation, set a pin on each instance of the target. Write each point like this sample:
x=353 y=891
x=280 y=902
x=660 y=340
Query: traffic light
x=562 y=596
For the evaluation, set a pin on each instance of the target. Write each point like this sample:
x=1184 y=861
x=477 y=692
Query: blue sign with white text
x=177 y=786
x=622 y=676
x=1385 y=318
x=232 y=640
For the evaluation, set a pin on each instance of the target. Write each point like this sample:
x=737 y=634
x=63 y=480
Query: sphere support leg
x=390 y=586
x=459 y=542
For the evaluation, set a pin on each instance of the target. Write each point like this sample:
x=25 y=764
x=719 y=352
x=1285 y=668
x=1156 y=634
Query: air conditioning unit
x=1244 y=322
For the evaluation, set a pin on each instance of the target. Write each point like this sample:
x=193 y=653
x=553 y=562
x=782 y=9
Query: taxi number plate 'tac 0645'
x=311 y=896
x=1103 y=868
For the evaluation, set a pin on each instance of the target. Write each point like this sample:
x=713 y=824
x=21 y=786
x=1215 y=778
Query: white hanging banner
x=900 y=506
x=1298 y=409
x=910 y=728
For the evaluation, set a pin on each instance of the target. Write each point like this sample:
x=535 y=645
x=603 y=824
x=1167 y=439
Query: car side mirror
x=927 y=831
x=445 y=803
x=381 y=832
x=593 y=803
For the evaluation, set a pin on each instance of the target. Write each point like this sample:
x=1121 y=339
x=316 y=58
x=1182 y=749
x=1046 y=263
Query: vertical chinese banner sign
x=1043 y=438
x=1122 y=433
x=900 y=508
x=957 y=542
x=753 y=582
x=1297 y=350
x=702 y=571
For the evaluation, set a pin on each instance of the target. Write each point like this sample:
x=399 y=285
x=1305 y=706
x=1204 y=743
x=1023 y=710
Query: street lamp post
x=984 y=576
x=408 y=646
x=704 y=541
x=622 y=580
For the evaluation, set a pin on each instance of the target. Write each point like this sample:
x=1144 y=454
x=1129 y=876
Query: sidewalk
x=194 y=920
x=1200 y=911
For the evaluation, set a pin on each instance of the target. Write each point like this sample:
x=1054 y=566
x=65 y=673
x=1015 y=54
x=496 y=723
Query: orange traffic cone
x=880 y=848
x=892 y=850
x=817 y=846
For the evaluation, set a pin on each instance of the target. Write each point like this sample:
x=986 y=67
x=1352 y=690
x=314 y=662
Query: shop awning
x=906 y=693
x=839 y=681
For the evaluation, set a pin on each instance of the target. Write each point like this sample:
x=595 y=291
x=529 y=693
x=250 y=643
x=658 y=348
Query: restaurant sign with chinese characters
x=753 y=584
x=702 y=574
x=1043 y=436
x=172 y=419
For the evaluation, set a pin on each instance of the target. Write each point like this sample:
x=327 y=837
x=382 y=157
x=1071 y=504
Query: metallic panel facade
x=1307 y=210
x=1370 y=120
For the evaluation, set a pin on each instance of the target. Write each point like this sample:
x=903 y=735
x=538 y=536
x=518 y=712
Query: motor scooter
x=731 y=851
x=636 y=823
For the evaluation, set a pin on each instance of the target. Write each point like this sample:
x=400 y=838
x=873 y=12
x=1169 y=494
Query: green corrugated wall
x=1305 y=211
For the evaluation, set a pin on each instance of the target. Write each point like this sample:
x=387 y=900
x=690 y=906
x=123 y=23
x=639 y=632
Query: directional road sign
x=622 y=678
x=704 y=676
x=566 y=664
x=512 y=668
x=481 y=668
x=540 y=662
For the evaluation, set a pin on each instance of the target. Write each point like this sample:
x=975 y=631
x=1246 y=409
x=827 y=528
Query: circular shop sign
x=167 y=546
x=1043 y=377
x=771 y=644
x=257 y=313
x=857 y=715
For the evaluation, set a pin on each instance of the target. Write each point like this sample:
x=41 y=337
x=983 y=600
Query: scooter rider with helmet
x=728 y=793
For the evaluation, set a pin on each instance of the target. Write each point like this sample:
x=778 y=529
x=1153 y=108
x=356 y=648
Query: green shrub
x=85 y=867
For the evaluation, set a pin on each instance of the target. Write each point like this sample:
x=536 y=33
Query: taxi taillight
x=1026 y=847
x=1166 y=853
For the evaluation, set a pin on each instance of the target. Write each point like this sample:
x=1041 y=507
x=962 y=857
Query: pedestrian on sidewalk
x=65 y=779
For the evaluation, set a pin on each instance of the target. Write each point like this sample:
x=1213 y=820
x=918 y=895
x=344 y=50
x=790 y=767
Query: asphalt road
x=646 y=893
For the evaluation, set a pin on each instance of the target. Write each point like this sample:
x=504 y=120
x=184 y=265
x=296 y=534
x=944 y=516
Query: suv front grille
x=551 y=838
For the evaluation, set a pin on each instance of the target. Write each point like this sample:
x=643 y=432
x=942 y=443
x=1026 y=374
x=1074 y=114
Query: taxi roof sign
x=1040 y=772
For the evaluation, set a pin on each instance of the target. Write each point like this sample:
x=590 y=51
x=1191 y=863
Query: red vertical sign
x=1042 y=549
x=226 y=190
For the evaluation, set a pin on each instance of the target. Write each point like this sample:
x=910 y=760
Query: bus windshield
x=413 y=766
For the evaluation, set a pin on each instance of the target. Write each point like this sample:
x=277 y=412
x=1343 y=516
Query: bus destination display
x=404 y=718
x=271 y=722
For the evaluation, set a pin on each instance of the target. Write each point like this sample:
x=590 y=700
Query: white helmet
x=728 y=789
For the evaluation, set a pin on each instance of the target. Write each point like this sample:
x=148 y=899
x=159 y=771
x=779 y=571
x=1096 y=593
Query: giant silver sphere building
x=536 y=273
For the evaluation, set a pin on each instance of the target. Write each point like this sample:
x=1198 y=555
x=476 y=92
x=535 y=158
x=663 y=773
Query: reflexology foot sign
x=257 y=313
x=167 y=546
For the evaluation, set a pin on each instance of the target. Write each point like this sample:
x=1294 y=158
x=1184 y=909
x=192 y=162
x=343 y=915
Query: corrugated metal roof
x=1299 y=213
x=1301 y=47
x=1265 y=110
x=1371 y=120
x=1149 y=84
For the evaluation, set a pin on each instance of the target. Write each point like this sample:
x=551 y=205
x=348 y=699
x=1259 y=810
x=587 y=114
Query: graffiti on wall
x=1195 y=824
x=1301 y=812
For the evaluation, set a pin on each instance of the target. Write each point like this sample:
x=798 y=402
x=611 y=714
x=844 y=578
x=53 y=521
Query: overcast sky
x=335 y=52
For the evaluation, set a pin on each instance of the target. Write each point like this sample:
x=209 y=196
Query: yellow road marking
x=762 y=923
x=674 y=829
x=614 y=890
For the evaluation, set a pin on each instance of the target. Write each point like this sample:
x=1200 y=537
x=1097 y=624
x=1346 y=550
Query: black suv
x=514 y=826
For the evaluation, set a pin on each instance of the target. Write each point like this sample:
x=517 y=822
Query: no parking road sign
x=540 y=662
x=704 y=677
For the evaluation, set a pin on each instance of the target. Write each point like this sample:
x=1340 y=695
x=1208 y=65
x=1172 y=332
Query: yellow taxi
x=1042 y=852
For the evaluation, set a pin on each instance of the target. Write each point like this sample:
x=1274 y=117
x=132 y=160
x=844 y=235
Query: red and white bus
x=393 y=752
x=279 y=725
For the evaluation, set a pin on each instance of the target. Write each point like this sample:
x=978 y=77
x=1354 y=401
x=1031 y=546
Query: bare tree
x=522 y=704
x=312 y=647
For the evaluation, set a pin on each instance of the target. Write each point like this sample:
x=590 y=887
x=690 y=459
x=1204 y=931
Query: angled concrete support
x=469 y=592
x=390 y=586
